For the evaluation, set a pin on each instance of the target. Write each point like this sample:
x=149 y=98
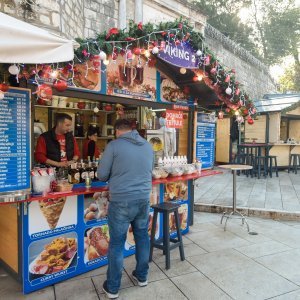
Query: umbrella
x=21 y=42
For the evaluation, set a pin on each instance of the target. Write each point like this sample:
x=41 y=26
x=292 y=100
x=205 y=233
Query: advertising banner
x=174 y=119
x=133 y=78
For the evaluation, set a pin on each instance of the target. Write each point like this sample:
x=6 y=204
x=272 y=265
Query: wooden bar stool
x=272 y=158
x=166 y=208
x=294 y=162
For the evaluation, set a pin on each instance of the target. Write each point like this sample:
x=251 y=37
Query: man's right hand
x=62 y=164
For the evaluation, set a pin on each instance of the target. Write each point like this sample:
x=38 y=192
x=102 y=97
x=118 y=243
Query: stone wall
x=85 y=18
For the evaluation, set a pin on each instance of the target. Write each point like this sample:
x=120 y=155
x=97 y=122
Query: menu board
x=15 y=141
x=205 y=140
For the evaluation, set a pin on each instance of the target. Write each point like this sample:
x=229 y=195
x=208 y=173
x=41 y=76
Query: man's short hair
x=123 y=124
x=92 y=130
x=61 y=117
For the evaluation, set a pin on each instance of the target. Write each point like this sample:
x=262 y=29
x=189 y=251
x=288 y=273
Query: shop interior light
x=159 y=109
x=199 y=77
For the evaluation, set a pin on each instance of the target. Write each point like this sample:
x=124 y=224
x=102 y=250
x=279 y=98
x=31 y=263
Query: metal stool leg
x=270 y=167
x=166 y=239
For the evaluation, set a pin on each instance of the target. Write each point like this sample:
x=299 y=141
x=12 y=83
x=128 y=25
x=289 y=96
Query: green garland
x=141 y=35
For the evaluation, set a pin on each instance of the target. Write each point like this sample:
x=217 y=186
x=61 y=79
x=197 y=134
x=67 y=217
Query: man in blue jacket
x=127 y=166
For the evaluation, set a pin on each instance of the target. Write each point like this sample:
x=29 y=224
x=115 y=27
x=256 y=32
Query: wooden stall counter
x=283 y=151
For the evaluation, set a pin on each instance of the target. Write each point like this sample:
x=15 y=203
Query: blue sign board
x=15 y=141
x=205 y=140
x=182 y=55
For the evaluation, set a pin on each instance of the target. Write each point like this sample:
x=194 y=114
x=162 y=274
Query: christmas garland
x=148 y=39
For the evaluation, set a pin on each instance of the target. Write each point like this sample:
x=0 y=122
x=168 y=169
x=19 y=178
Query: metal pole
x=234 y=190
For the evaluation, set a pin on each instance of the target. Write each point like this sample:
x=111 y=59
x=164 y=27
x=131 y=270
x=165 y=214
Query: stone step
x=250 y=212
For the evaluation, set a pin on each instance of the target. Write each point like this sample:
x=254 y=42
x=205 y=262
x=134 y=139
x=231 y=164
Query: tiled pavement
x=279 y=194
x=218 y=265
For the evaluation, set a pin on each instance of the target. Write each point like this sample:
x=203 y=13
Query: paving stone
x=76 y=289
x=286 y=264
x=289 y=296
x=239 y=276
x=163 y=289
x=99 y=280
x=196 y=286
x=262 y=249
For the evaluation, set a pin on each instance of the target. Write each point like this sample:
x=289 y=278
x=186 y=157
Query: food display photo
x=52 y=213
x=154 y=196
x=96 y=241
x=175 y=191
x=52 y=255
x=95 y=207
x=183 y=217
x=130 y=243
x=133 y=78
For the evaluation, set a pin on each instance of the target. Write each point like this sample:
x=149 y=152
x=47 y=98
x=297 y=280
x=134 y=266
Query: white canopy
x=21 y=42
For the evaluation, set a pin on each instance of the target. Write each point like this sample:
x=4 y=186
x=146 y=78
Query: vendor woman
x=57 y=147
x=90 y=148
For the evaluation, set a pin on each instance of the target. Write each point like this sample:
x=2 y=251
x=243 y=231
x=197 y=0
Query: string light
x=182 y=70
x=106 y=62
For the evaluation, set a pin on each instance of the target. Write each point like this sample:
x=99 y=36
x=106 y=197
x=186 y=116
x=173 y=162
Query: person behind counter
x=90 y=148
x=127 y=165
x=57 y=147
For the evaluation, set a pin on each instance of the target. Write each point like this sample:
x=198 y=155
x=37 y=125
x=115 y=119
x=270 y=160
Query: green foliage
x=290 y=81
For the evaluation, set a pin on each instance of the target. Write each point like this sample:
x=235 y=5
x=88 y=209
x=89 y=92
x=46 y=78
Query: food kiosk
x=53 y=236
x=277 y=125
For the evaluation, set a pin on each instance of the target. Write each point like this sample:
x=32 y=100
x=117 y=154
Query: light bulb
x=237 y=113
x=155 y=50
x=54 y=74
x=199 y=52
x=96 y=109
x=228 y=91
x=182 y=70
x=106 y=62
x=199 y=77
x=147 y=53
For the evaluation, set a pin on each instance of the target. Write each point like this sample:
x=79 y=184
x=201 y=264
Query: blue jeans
x=120 y=215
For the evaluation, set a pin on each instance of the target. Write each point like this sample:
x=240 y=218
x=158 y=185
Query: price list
x=15 y=141
x=205 y=141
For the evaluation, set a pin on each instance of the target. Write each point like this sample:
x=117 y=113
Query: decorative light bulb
x=96 y=109
x=54 y=74
x=237 y=113
x=147 y=53
x=102 y=55
x=106 y=62
x=228 y=91
x=14 y=69
x=199 y=52
x=199 y=77
x=182 y=70
x=220 y=115
x=155 y=50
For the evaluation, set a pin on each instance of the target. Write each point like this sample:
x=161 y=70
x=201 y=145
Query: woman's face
x=93 y=137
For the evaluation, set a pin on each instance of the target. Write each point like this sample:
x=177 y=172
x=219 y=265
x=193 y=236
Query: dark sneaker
x=138 y=281
x=109 y=294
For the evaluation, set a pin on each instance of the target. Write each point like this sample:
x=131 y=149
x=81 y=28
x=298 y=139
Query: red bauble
x=227 y=110
x=96 y=63
x=250 y=121
x=227 y=79
x=137 y=51
x=195 y=78
x=245 y=111
x=4 y=87
x=177 y=42
x=60 y=85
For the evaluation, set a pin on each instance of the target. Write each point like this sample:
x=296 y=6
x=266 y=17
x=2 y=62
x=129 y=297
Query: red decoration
x=245 y=111
x=227 y=110
x=60 y=85
x=112 y=31
x=177 y=42
x=96 y=63
x=85 y=53
x=140 y=26
x=237 y=91
x=213 y=71
x=180 y=25
x=4 y=87
x=137 y=51
x=172 y=35
x=227 y=79
x=186 y=90
x=195 y=78
x=250 y=120
x=130 y=39
x=207 y=60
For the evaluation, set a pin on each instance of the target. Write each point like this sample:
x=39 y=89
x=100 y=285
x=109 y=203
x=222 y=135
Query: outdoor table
x=234 y=213
x=254 y=148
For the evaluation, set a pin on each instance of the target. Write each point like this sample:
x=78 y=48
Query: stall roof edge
x=276 y=102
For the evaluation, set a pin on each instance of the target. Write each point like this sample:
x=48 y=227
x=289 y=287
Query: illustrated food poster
x=178 y=192
x=205 y=139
